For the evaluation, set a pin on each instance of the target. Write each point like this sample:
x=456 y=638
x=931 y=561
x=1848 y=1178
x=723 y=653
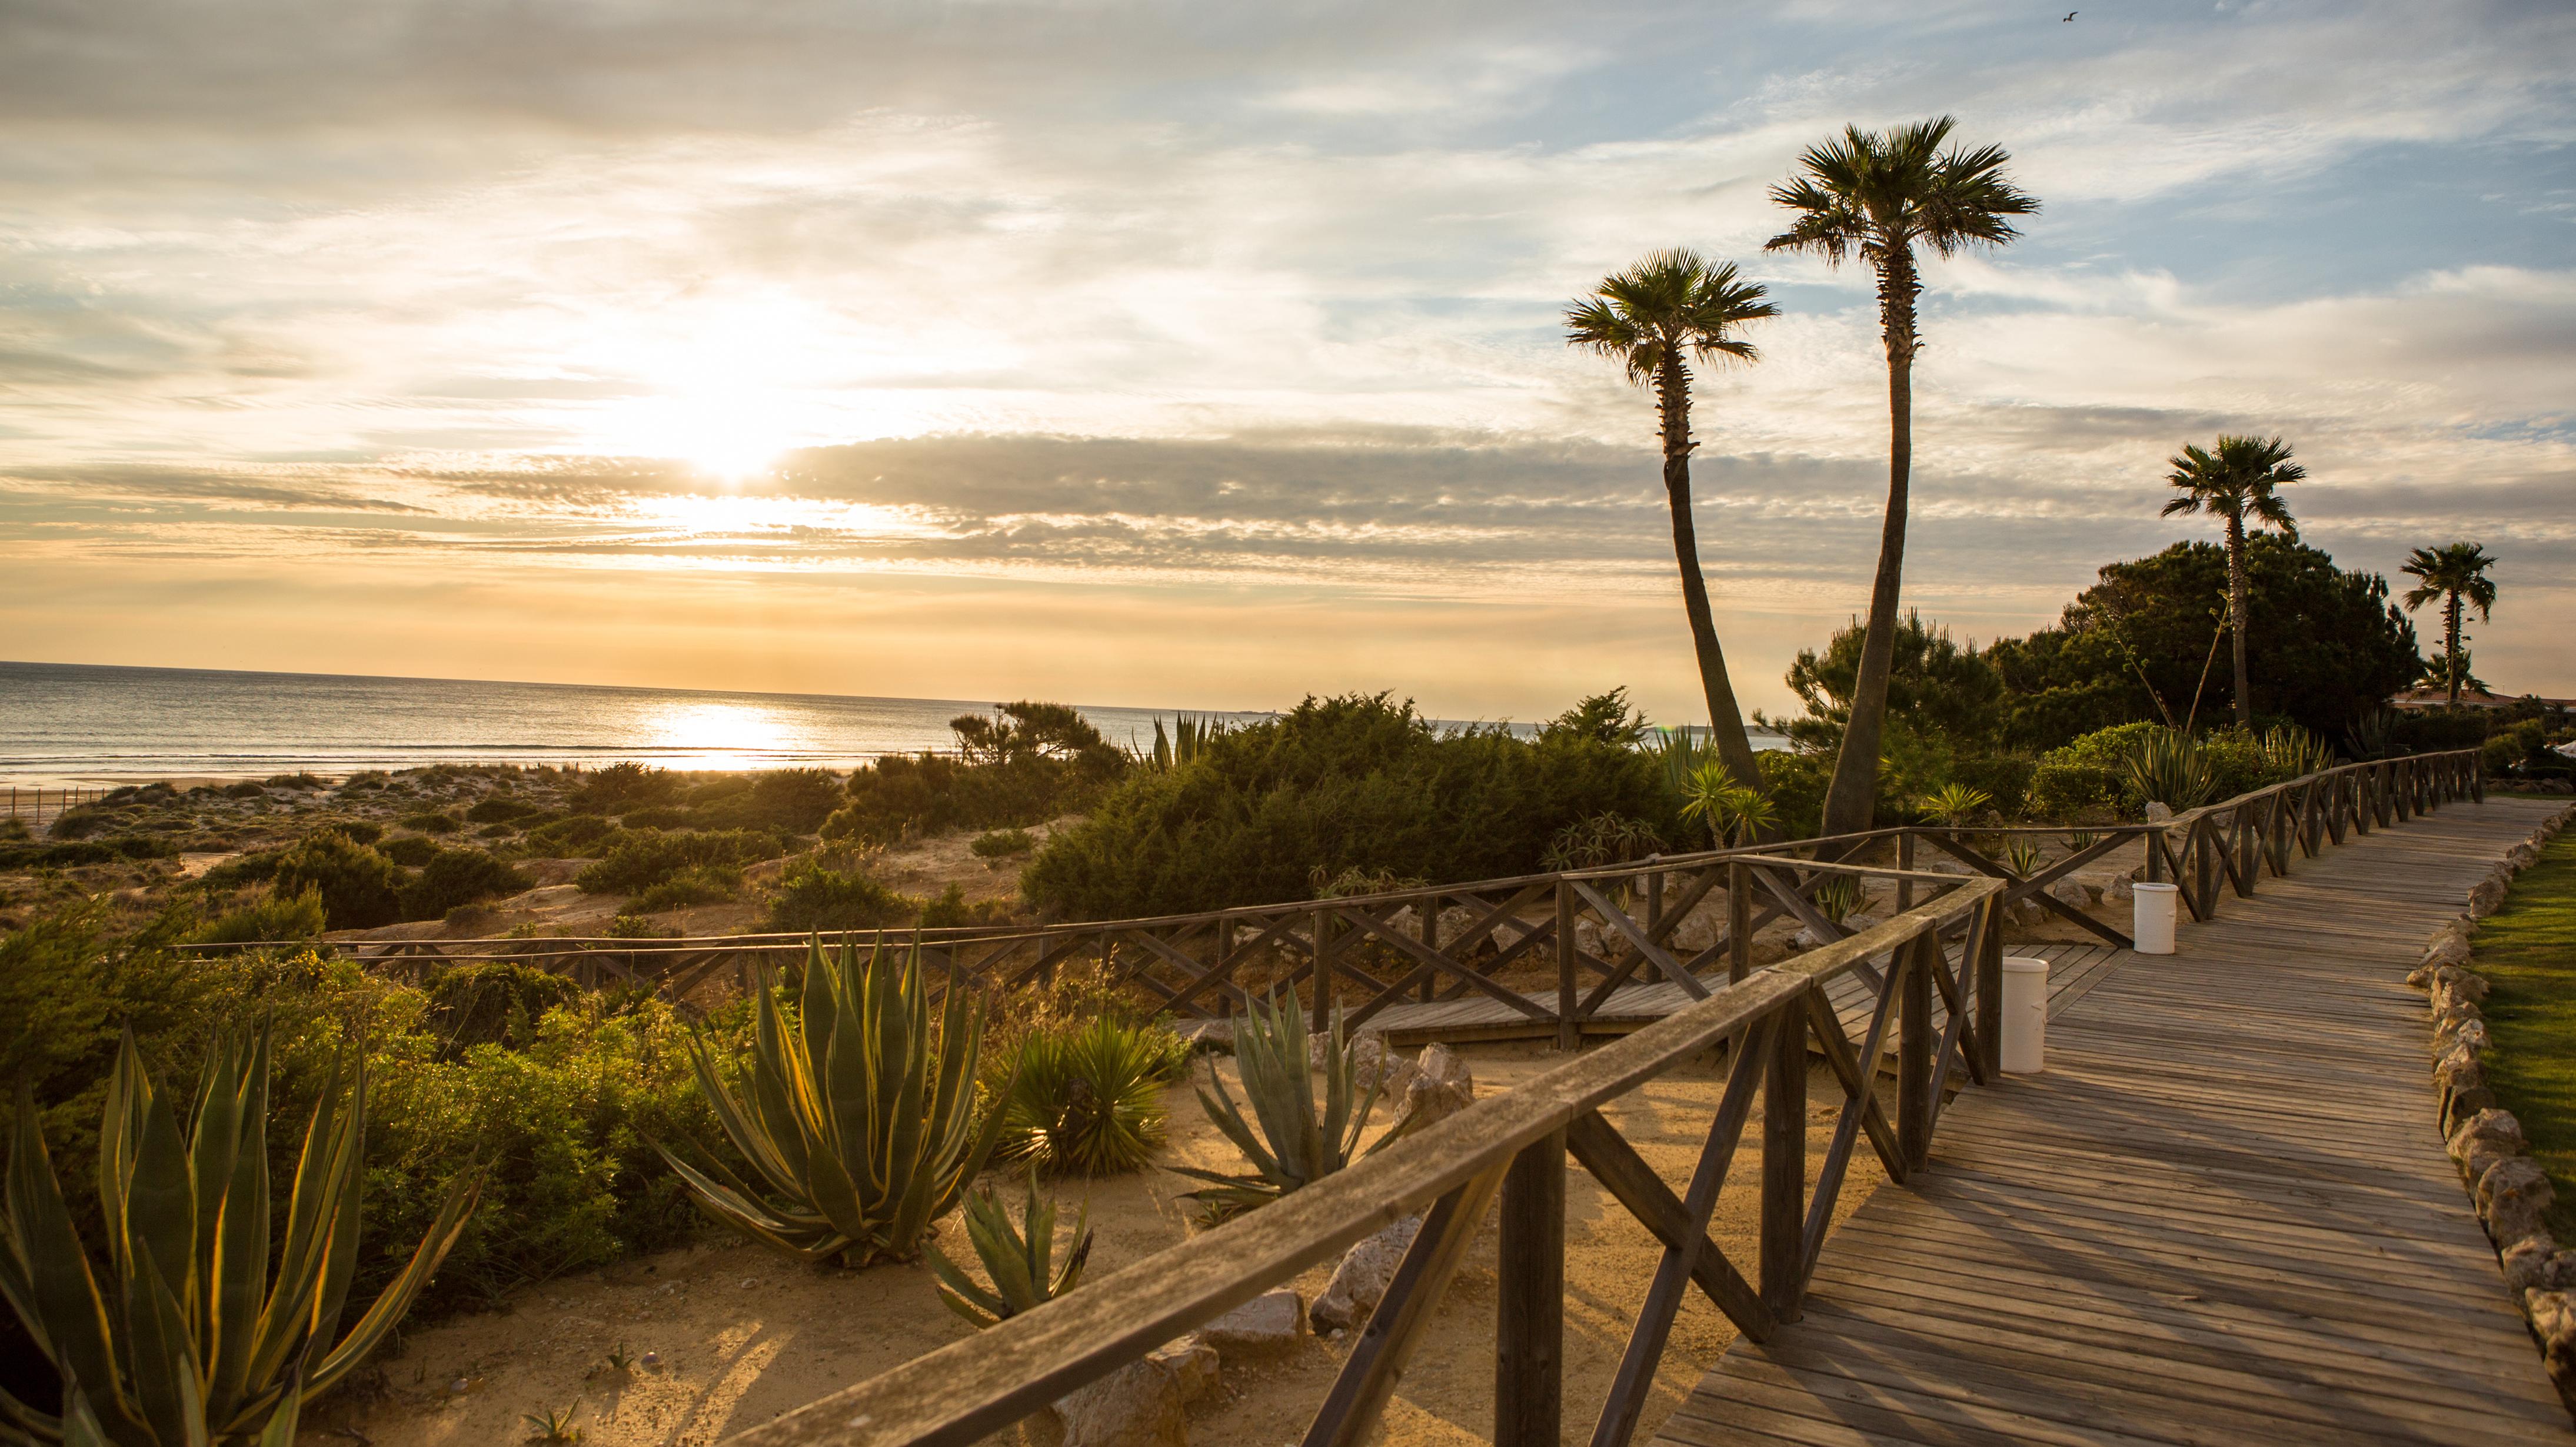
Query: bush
x=697 y=884
x=899 y=797
x=500 y=809
x=492 y=1003
x=1002 y=843
x=620 y=787
x=430 y=823
x=639 y=861
x=1087 y=1099
x=361 y=831
x=657 y=816
x=813 y=896
x=411 y=850
x=83 y=820
x=272 y=917
x=795 y=800
x=455 y=877
x=85 y=851
x=359 y=887
x=570 y=838
x=1350 y=782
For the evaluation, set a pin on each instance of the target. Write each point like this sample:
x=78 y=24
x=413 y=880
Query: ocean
x=69 y=723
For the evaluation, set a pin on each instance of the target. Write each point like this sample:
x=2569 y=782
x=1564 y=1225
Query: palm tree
x=1879 y=195
x=1656 y=318
x=2456 y=573
x=2237 y=482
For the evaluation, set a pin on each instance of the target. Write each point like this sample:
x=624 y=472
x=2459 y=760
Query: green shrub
x=637 y=927
x=697 y=884
x=795 y=800
x=1087 y=1099
x=492 y=1002
x=86 y=851
x=455 y=877
x=359 y=887
x=813 y=896
x=1002 y=843
x=361 y=831
x=430 y=823
x=624 y=786
x=246 y=789
x=83 y=820
x=1352 y=782
x=271 y=917
x=658 y=816
x=570 y=838
x=411 y=851
x=897 y=797
x=500 y=809
x=951 y=909
x=640 y=860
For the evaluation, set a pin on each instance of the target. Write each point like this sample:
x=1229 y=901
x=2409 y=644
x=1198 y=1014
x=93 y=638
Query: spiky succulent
x=859 y=1115
x=1020 y=1259
x=185 y=1338
x=1292 y=1145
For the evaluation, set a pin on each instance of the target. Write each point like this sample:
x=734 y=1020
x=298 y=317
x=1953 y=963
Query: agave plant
x=2168 y=766
x=2023 y=857
x=1088 y=1099
x=2291 y=752
x=1292 y=1146
x=2374 y=735
x=1954 y=804
x=1019 y=1259
x=1189 y=737
x=1837 y=898
x=1733 y=812
x=185 y=1338
x=858 y=1114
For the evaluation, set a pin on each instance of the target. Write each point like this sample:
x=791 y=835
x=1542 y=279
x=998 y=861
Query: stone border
x=2509 y=1187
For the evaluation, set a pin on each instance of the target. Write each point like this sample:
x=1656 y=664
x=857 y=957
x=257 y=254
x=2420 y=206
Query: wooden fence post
x=1323 y=971
x=1430 y=929
x=1904 y=860
x=1566 y=1031
x=1739 y=920
x=1529 y=1304
x=1784 y=1161
x=1989 y=930
x=1915 y=1087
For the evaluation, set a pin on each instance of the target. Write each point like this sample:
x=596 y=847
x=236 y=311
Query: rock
x=1440 y=1088
x=2535 y=1263
x=1372 y=1063
x=2421 y=977
x=1138 y=1405
x=2485 y=1139
x=1699 y=929
x=2159 y=813
x=2553 y=1320
x=2456 y=1030
x=2123 y=888
x=1453 y=929
x=1195 y=1366
x=2512 y=1196
x=2447 y=948
x=2450 y=982
x=2029 y=912
x=2070 y=892
x=1274 y=1320
x=2458 y=1071
x=2486 y=899
x=1361 y=1280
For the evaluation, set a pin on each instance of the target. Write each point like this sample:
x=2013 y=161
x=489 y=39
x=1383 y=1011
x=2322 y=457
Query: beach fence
x=38 y=807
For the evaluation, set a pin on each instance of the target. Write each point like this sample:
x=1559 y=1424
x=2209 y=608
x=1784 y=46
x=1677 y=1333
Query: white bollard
x=2025 y=1015
x=2151 y=917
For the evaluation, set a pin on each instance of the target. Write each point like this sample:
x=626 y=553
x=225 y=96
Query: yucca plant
x=1088 y=1099
x=1019 y=1259
x=1954 y=804
x=186 y=1338
x=1293 y=1146
x=1838 y=898
x=858 y=1115
x=1189 y=737
x=2167 y=766
x=1732 y=812
x=2023 y=857
x=2291 y=752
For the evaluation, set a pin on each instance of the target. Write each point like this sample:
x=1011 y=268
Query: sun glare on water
x=713 y=735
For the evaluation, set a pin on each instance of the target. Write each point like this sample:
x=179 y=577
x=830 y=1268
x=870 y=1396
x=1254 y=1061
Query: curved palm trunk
x=1725 y=719
x=1852 y=798
x=2236 y=619
x=2451 y=643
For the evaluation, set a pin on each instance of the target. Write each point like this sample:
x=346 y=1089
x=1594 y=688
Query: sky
x=1209 y=355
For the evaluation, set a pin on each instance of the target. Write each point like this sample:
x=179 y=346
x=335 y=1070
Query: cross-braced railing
x=2233 y=844
x=1934 y=1022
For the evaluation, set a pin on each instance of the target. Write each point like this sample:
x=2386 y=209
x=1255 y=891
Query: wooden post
x=1989 y=931
x=1784 y=1162
x=1529 y=1305
x=1430 y=926
x=1654 y=905
x=2155 y=838
x=1323 y=971
x=1904 y=860
x=1739 y=920
x=1566 y=1031
x=1915 y=1086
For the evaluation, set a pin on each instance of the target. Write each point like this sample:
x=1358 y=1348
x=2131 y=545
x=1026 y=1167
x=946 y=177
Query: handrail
x=970 y=1388
x=2236 y=841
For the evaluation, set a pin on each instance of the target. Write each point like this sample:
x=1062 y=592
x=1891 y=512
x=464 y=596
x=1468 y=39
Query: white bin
x=2025 y=1015
x=2152 y=917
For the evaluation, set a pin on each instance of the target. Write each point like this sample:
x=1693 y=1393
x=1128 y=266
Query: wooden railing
x=2234 y=843
x=1935 y=1010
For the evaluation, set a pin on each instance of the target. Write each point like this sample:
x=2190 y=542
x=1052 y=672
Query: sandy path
x=741 y=1335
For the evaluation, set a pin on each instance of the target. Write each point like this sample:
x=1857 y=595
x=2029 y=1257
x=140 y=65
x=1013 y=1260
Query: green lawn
x=2528 y=950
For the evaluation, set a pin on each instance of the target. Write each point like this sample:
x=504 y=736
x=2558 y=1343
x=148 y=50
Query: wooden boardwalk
x=2222 y=1215
x=2074 y=970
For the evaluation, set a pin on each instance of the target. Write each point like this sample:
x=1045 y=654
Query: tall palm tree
x=2238 y=482
x=2456 y=573
x=1879 y=195
x=1657 y=317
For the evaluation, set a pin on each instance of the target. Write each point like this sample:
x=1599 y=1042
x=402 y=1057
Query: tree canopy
x=2324 y=645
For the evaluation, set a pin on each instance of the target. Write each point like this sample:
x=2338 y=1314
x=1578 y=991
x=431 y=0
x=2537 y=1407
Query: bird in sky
x=2070 y=17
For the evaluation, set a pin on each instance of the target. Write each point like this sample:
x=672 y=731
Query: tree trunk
x=2451 y=644
x=1725 y=719
x=1852 y=798
x=2236 y=619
